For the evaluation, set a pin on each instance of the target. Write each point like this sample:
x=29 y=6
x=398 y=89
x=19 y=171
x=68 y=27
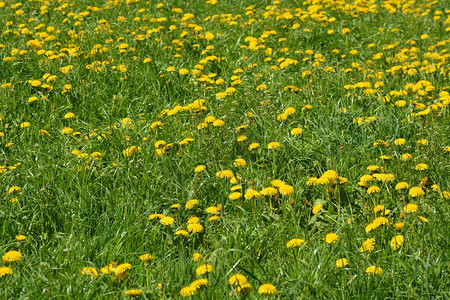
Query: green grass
x=79 y=212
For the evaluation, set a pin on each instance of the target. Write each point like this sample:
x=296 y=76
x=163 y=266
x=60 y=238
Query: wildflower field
x=224 y=149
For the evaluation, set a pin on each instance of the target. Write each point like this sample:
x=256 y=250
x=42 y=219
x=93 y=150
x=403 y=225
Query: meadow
x=224 y=149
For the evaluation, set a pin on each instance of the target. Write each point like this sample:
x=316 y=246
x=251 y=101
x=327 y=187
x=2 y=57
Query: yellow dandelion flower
x=312 y=181
x=193 y=220
x=371 y=226
x=195 y=228
x=35 y=83
x=11 y=256
x=277 y=183
x=213 y=218
x=186 y=291
x=167 y=221
x=183 y=71
x=267 y=289
x=241 y=128
x=416 y=192
x=221 y=95
x=190 y=204
x=317 y=208
x=373 y=189
x=181 y=232
x=306 y=107
x=368 y=245
x=366 y=178
x=269 y=191
x=286 y=190
x=198 y=284
x=89 y=271
x=273 y=145
x=331 y=175
x=109 y=268
x=199 y=168
x=160 y=143
x=212 y=210
x=397 y=242
x=290 y=111
x=241 y=138
x=44 y=132
x=423 y=219
x=423 y=142
x=410 y=207
x=322 y=181
x=240 y=162
x=156 y=124
x=331 y=238
x=235 y=196
x=225 y=174
x=399 y=142
x=445 y=195
x=244 y=289
x=399 y=226
x=253 y=146
x=122 y=268
x=146 y=257
x=261 y=87
x=25 y=125
x=14 y=189
x=406 y=157
x=250 y=194
x=384 y=177
x=218 y=123
x=342 y=180
x=381 y=221
x=203 y=269
x=5 y=271
x=341 y=262
x=69 y=115
x=156 y=216
x=20 y=237
x=295 y=243
x=421 y=167
x=378 y=208
x=401 y=186
x=373 y=168
x=133 y=292
x=197 y=257
x=282 y=117
x=208 y=119
x=67 y=130
x=237 y=279
x=296 y=131
x=374 y=270
x=400 y=103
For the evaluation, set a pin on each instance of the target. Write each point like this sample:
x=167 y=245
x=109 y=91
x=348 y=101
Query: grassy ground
x=115 y=114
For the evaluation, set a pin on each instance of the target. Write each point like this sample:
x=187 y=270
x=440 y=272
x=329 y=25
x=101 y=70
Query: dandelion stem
x=295 y=258
x=146 y=276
